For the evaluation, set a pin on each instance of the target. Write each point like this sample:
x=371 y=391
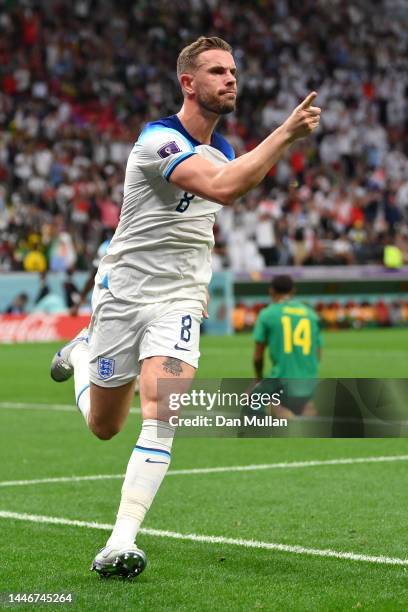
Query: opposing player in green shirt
x=291 y=331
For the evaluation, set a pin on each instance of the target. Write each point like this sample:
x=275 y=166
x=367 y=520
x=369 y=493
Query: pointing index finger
x=308 y=100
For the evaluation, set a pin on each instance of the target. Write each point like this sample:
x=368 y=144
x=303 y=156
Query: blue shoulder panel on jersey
x=157 y=126
x=174 y=123
x=220 y=143
x=176 y=162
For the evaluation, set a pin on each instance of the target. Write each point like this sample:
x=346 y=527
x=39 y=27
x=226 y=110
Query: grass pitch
x=357 y=507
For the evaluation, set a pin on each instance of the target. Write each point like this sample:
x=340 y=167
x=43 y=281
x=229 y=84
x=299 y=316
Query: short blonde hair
x=186 y=61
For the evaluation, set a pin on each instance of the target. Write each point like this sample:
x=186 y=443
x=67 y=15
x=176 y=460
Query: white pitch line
x=53 y=407
x=24 y=406
x=62 y=479
x=290 y=464
x=208 y=539
x=216 y=470
x=73 y=409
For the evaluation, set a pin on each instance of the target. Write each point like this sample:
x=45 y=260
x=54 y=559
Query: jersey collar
x=182 y=129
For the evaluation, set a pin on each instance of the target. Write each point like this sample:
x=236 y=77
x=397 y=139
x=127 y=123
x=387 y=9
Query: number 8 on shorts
x=186 y=323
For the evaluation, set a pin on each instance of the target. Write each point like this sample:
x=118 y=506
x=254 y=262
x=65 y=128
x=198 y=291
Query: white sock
x=80 y=361
x=146 y=469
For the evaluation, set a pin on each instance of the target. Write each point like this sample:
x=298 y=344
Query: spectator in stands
x=71 y=292
x=44 y=289
x=78 y=82
x=18 y=305
x=393 y=256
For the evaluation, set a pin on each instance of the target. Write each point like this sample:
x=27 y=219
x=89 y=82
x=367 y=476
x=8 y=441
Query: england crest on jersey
x=106 y=367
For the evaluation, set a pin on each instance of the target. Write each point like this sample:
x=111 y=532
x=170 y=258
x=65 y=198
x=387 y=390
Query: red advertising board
x=40 y=327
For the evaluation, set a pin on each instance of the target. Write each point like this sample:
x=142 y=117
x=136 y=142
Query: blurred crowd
x=352 y=314
x=79 y=78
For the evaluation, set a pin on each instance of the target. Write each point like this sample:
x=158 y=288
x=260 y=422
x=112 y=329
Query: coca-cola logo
x=39 y=327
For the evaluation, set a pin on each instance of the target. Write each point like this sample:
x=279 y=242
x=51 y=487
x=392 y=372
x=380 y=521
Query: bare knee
x=109 y=409
x=103 y=431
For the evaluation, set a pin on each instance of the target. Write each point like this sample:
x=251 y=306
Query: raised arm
x=226 y=183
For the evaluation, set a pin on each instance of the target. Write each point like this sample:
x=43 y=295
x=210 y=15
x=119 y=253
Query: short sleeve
x=161 y=149
x=261 y=329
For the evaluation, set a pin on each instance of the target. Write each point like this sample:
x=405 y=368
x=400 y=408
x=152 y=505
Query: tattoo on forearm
x=171 y=365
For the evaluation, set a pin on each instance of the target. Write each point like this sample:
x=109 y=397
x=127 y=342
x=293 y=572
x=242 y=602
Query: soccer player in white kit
x=150 y=289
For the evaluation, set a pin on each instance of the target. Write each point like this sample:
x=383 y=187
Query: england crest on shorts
x=106 y=367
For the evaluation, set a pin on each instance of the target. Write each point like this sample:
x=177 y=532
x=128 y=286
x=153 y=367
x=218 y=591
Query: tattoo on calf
x=172 y=366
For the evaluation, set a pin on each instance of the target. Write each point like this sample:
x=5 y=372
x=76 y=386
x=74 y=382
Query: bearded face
x=213 y=83
x=220 y=103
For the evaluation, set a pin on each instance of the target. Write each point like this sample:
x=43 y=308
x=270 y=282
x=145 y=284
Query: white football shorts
x=122 y=334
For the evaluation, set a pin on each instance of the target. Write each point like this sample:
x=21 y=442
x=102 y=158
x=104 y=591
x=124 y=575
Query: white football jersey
x=162 y=246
